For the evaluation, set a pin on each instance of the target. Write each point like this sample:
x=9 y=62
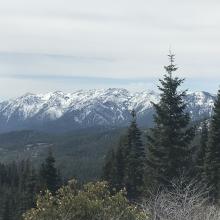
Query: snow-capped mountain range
x=58 y=111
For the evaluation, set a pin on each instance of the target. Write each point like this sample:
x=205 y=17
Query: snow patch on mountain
x=93 y=107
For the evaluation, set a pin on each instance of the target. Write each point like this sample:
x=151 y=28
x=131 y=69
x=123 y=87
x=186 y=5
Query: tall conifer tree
x=49 y=175
x=212 y=160
x=200 y=162
x=169 y=140
x=126 y=166
x=120 y=163
x=115 y=164
x=135 y=161
x=109 y=169
x=7 y=211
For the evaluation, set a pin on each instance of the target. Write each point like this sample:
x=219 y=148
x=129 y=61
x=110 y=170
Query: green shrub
x=92 y=202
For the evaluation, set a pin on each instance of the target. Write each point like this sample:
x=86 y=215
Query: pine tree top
x=171 y=67
x=133 y=115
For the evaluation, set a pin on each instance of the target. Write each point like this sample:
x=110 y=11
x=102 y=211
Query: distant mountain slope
x=79 y=154
x=58 y=111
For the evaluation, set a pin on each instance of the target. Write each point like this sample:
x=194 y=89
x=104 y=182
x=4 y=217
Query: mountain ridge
x=89 y=108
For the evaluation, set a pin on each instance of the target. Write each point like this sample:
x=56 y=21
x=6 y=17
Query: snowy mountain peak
x=86 y=108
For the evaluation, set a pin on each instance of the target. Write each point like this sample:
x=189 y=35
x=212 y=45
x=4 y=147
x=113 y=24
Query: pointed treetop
x=133 y=114
x=171 y=67
x=171 y=57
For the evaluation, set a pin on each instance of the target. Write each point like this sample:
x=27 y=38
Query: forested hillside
x=79 y=154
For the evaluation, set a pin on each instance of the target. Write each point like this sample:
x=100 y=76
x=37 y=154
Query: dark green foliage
x=135 y=161
x=20 y=183
x=16 y=194
x=169 y=141
x=126 y=166
x=49 y=175
x=109 y=169
x=212 y=160
x=201 y=154
x=115 y=165
x=79 y=154
x=6 y=210
x=120 y=163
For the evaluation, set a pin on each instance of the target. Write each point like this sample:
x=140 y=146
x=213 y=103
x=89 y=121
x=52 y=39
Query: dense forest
x=168 y=172
x=20 y=182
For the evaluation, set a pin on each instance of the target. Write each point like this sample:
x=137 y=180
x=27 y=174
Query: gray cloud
x=117 y=39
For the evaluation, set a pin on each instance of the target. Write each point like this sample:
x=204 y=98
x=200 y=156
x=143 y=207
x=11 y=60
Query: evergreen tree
x=169 y=140
x=7 y=210
x=109 y=169
x=135 y=161
x=120 y=163
x=126 y=166
x=114 y=168
x=27 y=179
x=49 y=175
x=201 y=154
x=212 y=160
x=31 y=189
x=17 y=188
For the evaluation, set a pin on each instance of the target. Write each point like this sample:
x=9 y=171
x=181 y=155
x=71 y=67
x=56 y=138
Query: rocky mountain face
x=60 y=111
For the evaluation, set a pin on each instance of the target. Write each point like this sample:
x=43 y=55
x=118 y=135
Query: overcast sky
x=49 y=45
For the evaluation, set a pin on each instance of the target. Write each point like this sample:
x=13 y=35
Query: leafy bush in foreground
x=92 y=202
